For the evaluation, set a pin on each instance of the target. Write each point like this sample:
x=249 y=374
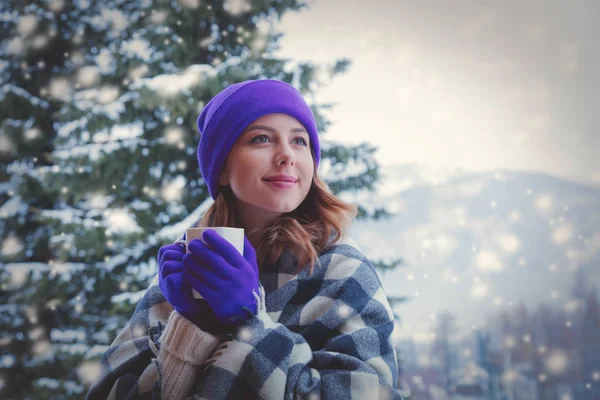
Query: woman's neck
x=254 y=221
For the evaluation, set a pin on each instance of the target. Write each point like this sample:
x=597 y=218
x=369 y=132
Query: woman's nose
x=285 y=153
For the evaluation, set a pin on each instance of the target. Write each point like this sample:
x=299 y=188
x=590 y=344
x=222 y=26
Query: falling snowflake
x=190 y=3
x=88 y=76
x=120 y=220
x=544 y=203
x=174 y=135
x=488 y=261
x=237 y=7
x=15 y=46
x=18 y=276
x=245 y=334
x=159 y=17
x=27 y=25
x=78 y=38
x=115 y=18
x=83 y=4
x=11 y=246
x=41 y=347
x=149 y=191
x=479 y=290
x=39 y=42
x=60 y=88
x=32 y=134
x=509 y=243
x=56 y=5
x=562 y=234
x=36 y=333
x=344 y=311
x=510 y=342
x=509 y=376
x=172 y=190
x=89 y=371
x=6 y=146
x=557 y=362
x=77 y=58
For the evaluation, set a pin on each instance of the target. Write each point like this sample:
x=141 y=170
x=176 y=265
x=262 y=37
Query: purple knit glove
x=178 y=291
x=223 y=277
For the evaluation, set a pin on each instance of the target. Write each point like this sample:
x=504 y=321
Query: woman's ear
x=223 y=178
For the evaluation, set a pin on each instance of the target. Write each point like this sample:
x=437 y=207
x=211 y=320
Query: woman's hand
x=178 y=291
x=225 y=278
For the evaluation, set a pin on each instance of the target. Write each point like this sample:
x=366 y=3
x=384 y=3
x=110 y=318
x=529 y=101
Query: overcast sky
x=476 y=85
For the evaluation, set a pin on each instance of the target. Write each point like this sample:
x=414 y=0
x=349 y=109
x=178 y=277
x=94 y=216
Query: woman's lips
x=281 y=184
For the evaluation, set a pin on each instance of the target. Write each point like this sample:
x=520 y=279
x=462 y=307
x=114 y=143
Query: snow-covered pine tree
x=97 y=144
x=38 y=290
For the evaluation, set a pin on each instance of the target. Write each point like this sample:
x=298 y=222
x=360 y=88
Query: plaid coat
x=325 y=335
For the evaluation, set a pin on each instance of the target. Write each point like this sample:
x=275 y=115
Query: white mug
x=235 y=236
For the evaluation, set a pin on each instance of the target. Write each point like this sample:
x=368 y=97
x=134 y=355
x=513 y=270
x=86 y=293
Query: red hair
x=306 y=231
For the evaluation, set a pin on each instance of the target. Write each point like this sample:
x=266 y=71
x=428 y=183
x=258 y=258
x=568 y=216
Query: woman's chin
x=280 y=208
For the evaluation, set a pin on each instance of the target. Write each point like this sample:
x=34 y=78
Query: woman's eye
x=302 y=141
x=259 y=139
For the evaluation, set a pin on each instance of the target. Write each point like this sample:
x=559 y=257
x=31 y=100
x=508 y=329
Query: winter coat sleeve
x=331 y=340
x=158 y=352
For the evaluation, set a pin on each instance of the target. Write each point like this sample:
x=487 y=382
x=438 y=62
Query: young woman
x=301 y=314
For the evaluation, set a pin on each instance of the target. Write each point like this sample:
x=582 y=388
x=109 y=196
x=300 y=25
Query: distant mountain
x=475 y=243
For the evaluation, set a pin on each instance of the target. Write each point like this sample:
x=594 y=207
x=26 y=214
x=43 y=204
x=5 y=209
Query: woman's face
x=270 y=167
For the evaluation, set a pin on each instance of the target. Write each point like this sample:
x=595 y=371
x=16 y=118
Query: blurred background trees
x=98 y=165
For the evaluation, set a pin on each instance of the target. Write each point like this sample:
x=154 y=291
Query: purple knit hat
x=227 y=114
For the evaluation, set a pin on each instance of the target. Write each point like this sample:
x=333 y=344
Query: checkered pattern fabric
x=320 y=336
